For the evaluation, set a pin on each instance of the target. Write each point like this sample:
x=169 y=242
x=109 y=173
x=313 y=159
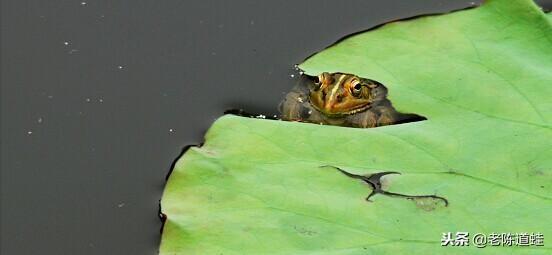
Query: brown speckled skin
x=297 y=106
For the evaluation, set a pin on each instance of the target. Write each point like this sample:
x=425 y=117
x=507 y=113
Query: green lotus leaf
x=482 y=77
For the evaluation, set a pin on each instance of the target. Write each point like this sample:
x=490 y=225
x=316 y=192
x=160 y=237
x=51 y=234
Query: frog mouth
x=337 y=114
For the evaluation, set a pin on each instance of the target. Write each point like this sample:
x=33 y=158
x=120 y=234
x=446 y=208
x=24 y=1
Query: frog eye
x=356 y=88
x=316 y=80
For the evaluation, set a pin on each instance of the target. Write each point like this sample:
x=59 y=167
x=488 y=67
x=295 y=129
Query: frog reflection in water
x=341 y=99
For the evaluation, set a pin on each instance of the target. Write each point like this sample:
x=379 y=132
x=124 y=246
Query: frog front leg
x=386 y=117
x=293 y=107
x=381 y=116
x=366 y=119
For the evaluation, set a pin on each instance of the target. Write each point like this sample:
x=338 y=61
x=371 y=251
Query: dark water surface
x=98 y=98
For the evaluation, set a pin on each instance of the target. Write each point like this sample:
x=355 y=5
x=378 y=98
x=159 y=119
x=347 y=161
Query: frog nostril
x=339 y=98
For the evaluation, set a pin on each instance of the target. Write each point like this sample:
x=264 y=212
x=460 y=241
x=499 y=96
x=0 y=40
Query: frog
x=341 y=99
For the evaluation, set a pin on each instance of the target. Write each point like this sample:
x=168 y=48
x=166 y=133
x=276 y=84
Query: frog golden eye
x=316 y=80
x=356 y=87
